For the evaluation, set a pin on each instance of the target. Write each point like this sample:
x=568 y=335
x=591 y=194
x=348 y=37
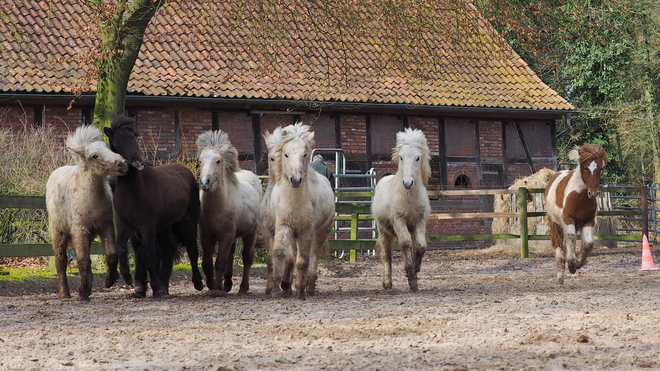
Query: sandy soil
x=472 y=313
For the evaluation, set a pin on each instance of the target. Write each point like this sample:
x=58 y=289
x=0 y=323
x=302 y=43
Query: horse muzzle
x=296 y=181
x=122 y=167
x=138 y=164
x=592 y=195
x=408 y=183
x=205 y=184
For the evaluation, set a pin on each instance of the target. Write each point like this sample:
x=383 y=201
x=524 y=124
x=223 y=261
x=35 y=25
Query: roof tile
x=214 y=53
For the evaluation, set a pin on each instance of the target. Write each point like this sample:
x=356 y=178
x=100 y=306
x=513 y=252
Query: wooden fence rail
x=354 y=212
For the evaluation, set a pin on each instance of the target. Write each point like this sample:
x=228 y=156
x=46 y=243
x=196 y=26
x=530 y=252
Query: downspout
x=568 y=129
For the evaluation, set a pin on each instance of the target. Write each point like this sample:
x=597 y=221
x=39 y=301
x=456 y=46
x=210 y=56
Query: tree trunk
x=122 y=35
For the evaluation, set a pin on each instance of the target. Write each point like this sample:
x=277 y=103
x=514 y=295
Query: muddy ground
x=473 y=312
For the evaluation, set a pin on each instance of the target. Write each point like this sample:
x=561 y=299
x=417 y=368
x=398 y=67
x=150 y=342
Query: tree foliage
x=603 y=57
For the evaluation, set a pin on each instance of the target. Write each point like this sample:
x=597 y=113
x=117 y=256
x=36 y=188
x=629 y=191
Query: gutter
x=568 y=128
x=289 y=105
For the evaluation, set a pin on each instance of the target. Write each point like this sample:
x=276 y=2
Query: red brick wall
x=354 y=136
x=193 y=123
x=490 y=139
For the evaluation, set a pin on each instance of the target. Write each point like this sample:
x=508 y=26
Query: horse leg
x=223 y=275
x=419 y=244
x=320 y=241
x=167 y=249
x=228 y=281
x=123 y=234
x=302 y=263
x=111 y=257
x=248 y=258
x=287 y=277
x=281 y=256
x=407 y=248
x=569 y=242
x=208 y=240
x=384 y=248
x=186 y=233
x=81 y=244
x=587 y=244
x=557 y=237
x=60 y=243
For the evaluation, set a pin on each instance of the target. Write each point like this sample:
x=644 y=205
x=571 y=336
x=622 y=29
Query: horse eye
x=417 y=159
x=95 y=157
x=272 y=159
x=285 y=155
x=305 y=155
x=217 y=162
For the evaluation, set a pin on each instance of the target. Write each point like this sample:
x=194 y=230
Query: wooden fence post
x=524 y=233
x=352 y=254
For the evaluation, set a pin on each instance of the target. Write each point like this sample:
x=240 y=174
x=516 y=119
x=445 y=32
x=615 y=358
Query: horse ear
x=574 y=154
x=107 y=131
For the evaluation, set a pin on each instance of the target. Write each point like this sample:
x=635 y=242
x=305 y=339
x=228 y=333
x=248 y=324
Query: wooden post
x=524 y=233
x=354 y=235
x=645 y=211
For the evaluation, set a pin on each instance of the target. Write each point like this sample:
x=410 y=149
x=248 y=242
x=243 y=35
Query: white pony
x=230 y=200
x=401 y=206
x=79 y=204
x=298 y=211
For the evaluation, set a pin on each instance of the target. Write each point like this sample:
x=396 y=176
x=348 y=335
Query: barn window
x=462 y=181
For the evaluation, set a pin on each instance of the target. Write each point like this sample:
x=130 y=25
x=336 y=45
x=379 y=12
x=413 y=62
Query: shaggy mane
x=587 y=153
x=414 y=138
x=219 y=141
x=297 y=130
x=82 y=137
x=212 y=138
x=123 y=122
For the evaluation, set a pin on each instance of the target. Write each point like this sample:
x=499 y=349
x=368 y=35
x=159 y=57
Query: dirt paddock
x=472 y=312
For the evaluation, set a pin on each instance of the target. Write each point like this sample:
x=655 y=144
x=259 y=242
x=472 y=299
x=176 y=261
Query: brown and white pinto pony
x=570 y=202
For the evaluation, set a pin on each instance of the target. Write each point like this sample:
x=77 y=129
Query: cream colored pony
x=230 y=201
x=298 y=211
x=401 y=206
x=79 y=203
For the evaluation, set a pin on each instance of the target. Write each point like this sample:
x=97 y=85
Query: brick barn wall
x=490 y=139
x=193 y=123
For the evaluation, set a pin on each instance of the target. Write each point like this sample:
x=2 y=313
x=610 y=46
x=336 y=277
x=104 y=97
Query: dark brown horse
x=158 y=209
x=570 y=202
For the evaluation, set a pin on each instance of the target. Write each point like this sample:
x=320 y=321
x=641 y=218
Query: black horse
x=158 y=209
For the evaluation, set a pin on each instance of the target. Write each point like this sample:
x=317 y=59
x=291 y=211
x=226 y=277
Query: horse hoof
x=84 y=298
x=244 y=289
x=572 y=267
x=226 y=288
x=414 y=288
x=387 y=285
x=199 y=286
x=110 y=280
x=139 y=292
x=128 y=279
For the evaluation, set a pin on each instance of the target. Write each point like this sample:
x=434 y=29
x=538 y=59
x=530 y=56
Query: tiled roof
x=195 y=52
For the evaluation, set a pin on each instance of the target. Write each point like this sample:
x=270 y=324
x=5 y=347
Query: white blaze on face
x=592 y=166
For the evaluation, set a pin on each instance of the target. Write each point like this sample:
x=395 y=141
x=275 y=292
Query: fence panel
x=359 y=211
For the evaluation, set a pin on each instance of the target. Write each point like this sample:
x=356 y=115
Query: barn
x=488 y=117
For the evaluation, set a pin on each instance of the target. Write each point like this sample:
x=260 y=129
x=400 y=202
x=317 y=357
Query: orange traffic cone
x=647 y=258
